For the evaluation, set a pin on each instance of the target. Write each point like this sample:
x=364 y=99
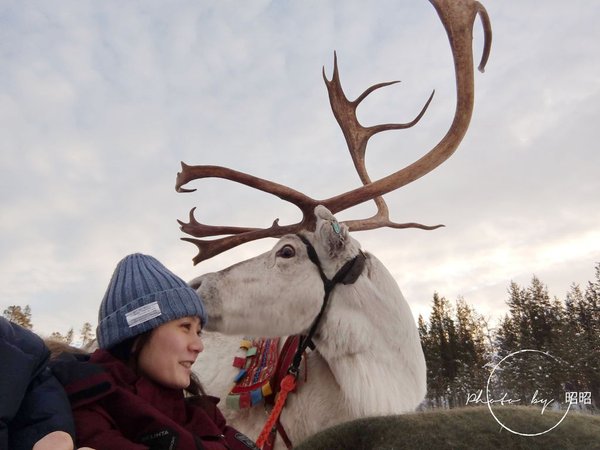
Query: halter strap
x=347 y=274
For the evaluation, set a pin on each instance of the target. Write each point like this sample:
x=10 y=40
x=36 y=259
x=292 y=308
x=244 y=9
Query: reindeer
x=367 y=358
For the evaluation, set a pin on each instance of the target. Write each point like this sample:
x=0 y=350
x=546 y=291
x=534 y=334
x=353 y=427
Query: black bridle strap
x=347 y=274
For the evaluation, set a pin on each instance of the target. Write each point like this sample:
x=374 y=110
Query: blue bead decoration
x=336 y=227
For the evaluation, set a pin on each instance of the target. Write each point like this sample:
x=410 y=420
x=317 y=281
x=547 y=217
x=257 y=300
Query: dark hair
x=126 y=353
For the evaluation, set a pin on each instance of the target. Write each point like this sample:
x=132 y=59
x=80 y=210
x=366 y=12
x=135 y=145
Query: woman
x=130 y=394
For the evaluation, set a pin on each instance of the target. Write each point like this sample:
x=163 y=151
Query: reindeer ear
x=333 y=235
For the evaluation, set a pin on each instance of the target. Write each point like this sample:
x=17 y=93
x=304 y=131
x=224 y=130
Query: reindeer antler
x=357 y=138
x=457 y=17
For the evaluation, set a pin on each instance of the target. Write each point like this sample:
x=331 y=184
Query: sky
x=100 y=101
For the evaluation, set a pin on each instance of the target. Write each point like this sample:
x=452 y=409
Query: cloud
x=103 y=100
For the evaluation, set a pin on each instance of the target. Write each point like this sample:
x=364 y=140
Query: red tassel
x=287 y=385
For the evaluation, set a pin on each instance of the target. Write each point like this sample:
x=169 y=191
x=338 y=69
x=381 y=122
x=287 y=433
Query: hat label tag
x=143 y=314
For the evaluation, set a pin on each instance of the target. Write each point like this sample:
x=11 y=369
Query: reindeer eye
x=287 y=251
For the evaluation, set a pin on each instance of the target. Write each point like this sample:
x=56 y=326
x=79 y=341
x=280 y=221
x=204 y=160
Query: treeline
x=544 y=344
x=22 y=316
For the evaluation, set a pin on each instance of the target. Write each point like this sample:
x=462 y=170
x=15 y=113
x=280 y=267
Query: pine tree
x=516 y=323
x=427 y=352
x=69 y=336
x=56 y=336
x=514 y=334
x=456 y=352
x=576 y=347
x=472 y=352
x=87 y=335
x=538 y=309
x=441 y=366
x=65 y=338
x=589 y=316
x=20 y=316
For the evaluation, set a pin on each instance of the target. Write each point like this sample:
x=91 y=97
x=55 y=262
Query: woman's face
x=169 y=353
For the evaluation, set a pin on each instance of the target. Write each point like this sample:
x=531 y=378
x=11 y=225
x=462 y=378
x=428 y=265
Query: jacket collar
x=169 y=401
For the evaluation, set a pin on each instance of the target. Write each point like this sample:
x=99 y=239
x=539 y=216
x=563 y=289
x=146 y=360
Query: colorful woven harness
x=253 y=383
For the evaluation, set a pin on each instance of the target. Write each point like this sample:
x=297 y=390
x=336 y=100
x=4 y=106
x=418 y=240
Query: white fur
x=368 y=359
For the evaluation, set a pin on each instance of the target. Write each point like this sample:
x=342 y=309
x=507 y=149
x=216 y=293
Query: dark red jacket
x=116 y=409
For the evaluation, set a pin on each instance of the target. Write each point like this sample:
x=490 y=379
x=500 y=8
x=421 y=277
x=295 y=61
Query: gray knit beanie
x=143 y=294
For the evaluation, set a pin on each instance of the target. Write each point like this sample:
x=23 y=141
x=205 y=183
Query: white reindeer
x=367 y=358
